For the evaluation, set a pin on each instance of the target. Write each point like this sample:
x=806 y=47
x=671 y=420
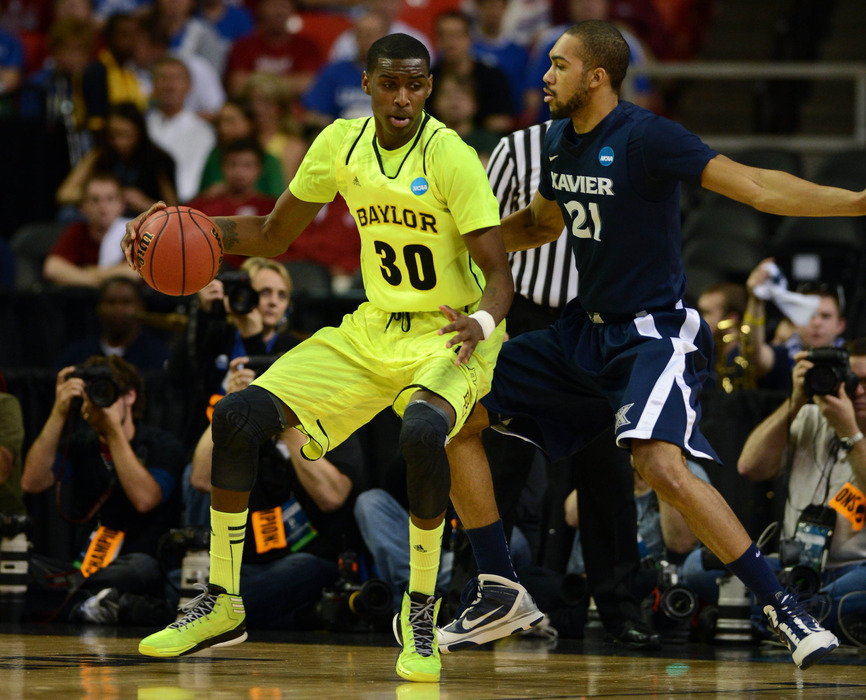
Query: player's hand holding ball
x=176 y=250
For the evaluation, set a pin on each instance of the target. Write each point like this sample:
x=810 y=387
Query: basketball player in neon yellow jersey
x=434 y=265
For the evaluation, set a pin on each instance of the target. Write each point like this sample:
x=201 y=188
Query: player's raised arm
x=532 y=226
x=776 y=192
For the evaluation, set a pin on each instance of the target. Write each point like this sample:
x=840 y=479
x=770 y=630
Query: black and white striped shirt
x=545 y=275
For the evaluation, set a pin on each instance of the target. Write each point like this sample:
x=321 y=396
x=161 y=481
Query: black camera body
x=353 y=604
x=238 y=290
x=189 y=537
x=831 y=368
x=259 y=363
x=12 y=525
x=803 y=558
x=99 y=384
x=671 y=606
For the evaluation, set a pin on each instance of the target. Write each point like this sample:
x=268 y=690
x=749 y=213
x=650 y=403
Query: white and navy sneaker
x=500 y=607
x=807 y=641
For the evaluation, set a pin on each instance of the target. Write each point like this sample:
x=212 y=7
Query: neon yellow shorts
x=340 y=378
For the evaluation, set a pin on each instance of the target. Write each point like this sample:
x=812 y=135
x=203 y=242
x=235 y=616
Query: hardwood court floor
x=103 y=664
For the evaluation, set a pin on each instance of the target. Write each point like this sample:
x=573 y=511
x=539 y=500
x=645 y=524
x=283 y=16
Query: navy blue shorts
x=562 y=386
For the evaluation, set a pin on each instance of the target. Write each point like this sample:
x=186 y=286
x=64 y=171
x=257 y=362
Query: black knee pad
x=422 y=443
x=242 y=423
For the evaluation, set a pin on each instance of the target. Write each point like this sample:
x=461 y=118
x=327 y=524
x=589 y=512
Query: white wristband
x=488 y=324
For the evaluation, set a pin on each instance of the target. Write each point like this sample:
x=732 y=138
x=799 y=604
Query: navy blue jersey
x=618 y=187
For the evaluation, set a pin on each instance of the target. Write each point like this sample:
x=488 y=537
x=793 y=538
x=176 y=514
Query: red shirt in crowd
x=75 y=245
x=290 y=54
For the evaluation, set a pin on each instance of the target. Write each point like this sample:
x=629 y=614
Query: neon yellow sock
x=424 y=549
x=227 y=549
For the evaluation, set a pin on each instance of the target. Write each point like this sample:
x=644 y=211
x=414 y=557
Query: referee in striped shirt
x=545 y=278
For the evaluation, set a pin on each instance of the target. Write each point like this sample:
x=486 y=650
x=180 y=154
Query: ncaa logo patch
x=605 y=156
x=419 y=186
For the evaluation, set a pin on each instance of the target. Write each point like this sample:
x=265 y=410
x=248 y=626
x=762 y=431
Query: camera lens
x=678 y=603
x=821 y=380
x=803 y=579
x=243 y=299
x=374 y=599
x=101 y=391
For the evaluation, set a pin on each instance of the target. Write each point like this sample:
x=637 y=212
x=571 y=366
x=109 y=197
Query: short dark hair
x=604 y=47
x=822 y=289
x=126 y=376
x=735 y=295
x=396 y=46
x=249 y=144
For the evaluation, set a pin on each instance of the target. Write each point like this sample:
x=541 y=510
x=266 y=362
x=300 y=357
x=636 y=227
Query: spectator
x=235 y=122
x=345 y=46
x=820 y=447
x=11 y=446
x=123 y=474
x=183 y=134
x=189 y=35
x=104 y=9
x=270 y=100
x=121 y=310
x=144 y=170
x=336 y=92
x=88 y=252
x=216 y=334
x=455 y=102
x=493 y=46
x=232 y=21
x=273 y=49
x=52 y=99
x=454 y=41
x=110 y=80
x=723 y=307
x=206 y=93
x=773 y=363
x=315 y=501
x=242 y=162
x=11 y=63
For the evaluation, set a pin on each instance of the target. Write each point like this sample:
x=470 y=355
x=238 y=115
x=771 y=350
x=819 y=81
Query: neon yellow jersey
x=411 y=206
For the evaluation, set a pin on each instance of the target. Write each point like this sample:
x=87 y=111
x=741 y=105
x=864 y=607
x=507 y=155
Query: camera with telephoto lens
x=259 y=363
x=831 y=368
x=673 y=605
x=238 y=290
x=99 y=384
x=353 y=603
x=803 y=558
x=12 y=525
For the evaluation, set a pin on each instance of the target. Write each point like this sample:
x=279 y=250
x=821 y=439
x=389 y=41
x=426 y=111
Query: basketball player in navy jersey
x=612 y=171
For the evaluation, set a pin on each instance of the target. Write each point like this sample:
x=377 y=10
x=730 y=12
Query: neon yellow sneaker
x=419 y=661
x=213 y=619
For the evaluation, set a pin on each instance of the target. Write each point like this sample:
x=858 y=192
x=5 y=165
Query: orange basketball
x=179 y=251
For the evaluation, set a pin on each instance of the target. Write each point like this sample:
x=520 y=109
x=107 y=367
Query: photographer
x=11 y=442
x=283 y=573
x=123 y=476
x=237 y=314
x=821 y=446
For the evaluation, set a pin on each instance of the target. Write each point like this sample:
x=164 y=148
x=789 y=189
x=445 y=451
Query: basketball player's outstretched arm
x=775 y=192
x=267 y=236
x=532 y=226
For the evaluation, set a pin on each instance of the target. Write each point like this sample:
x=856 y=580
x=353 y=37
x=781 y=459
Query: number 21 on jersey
x=580 y=227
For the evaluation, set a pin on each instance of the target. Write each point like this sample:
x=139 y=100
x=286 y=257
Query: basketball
x=179 y=251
